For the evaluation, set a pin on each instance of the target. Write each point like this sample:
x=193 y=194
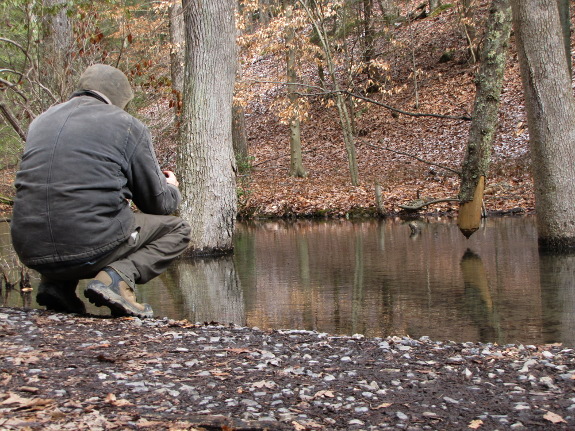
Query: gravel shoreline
x=74 y=372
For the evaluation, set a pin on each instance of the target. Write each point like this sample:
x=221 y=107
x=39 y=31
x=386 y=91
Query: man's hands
x=171 y=178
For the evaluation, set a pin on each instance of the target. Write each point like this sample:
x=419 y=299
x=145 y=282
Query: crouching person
x=84 y=161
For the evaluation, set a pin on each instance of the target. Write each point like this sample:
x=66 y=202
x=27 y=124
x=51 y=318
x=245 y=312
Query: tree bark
x=489 y=81
x=206 y=160
x=368 y=32
x=550 y=117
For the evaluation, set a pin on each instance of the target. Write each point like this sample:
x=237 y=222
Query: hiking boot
x=60 y=297
x=109 y=289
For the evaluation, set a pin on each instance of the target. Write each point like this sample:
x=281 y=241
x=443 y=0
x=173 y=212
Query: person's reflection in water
x=478 y=299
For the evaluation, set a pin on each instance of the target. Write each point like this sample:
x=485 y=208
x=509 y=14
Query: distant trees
x=44 y=47
x=551 y=118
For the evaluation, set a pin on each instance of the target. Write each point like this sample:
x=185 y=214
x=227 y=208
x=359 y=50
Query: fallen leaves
x=268 y=384
x=17 y=402
x=113 y=400
x=553 y=418
x=475 y=424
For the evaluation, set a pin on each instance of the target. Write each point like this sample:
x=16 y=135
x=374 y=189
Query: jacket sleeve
x=150 y=191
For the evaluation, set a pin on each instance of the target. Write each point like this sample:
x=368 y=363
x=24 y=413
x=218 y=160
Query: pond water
x=374 y=278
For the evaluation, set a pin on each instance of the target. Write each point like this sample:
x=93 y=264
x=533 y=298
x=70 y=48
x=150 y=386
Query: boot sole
x=53 y=303
x=103 y=296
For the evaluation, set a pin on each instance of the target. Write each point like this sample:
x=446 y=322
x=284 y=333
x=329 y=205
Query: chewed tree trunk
x=206 y=161
x=489 y=82
x=550 y=118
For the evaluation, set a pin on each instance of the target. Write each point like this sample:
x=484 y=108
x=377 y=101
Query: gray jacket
x=83 y=160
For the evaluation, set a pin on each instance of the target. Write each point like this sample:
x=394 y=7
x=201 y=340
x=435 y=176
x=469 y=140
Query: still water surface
x=375 y=278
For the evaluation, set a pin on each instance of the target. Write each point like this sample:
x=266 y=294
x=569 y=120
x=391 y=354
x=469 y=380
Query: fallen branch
x=413 y=157
x=420 y=203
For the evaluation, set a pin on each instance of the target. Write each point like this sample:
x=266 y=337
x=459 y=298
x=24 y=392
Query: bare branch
x=13 y=122
x=414 y=157
x=411 y=114
x=322 y=92
x=16 y=44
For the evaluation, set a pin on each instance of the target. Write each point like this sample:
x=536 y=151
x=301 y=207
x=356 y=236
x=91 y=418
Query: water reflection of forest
x=377 y=279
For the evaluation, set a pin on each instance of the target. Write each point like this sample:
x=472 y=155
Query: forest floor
x=90 y=373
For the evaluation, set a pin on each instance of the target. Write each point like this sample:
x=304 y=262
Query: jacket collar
x=92 y=93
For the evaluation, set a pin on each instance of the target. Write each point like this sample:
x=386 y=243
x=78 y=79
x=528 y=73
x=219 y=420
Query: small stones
x=291 y=378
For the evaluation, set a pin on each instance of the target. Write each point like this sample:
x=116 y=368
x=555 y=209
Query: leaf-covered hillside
x=436 y=48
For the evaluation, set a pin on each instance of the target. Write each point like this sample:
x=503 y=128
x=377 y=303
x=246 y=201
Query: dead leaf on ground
x=25 y=403
x=554 y=418
x=297 y=426
x=475 y=424
x=324 y=394
x=383 y=406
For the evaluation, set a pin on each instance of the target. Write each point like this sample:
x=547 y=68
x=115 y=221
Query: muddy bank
x=63 y=371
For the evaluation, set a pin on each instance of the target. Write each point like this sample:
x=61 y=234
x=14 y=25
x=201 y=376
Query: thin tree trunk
x=344 y=118
x=565 y=17
x=368 y=32
x=205 y=155
x=469 y=27
x=57 y=45
x=296 y=160
x=489 y=81
x=239 y=138
x=550 y=117
x=177 y=54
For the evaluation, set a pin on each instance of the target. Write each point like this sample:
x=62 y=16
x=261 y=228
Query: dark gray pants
x=155 y=243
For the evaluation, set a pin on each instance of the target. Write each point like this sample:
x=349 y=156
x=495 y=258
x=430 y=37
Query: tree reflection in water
x=372 y=277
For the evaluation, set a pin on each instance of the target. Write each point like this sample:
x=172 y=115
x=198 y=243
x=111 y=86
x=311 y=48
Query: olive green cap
x=109 y=81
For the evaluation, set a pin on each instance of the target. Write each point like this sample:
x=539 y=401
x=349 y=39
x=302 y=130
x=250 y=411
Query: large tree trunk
x=551 y=118
x=489 y=81
x=206 y=160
